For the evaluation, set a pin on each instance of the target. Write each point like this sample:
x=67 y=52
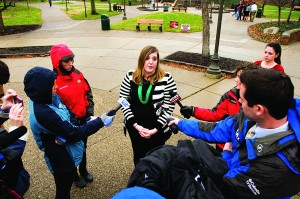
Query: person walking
x=148 y=87
x=76 y=94
x=253 y=11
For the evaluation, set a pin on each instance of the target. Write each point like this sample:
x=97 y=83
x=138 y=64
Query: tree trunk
x=291 y=10
x=1 y=21
x=206 y=29
x=93 y=8
x=279 y=11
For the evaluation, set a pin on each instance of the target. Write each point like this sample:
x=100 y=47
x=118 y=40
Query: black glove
x=187 y=111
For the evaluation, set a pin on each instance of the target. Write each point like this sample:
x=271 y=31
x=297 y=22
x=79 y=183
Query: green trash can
x=129 y=2
x=105 y=22
x=166 y=8
x=114 y=7
x=259 y=13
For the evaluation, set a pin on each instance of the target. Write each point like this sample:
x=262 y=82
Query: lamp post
x=213 y=70
x=210 y=16
x=124 y=16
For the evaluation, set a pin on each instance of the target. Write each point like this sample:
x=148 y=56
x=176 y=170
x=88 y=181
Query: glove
x=107 y=120
x=187 y=111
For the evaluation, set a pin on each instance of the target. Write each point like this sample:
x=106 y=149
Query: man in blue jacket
x=264 y=161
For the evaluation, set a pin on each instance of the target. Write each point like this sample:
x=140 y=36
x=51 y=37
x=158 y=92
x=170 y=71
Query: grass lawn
x=272 y=13
x=194 y=20
x=22 y=15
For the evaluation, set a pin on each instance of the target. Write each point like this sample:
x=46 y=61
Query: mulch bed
x=25 y=52
x=8 y=30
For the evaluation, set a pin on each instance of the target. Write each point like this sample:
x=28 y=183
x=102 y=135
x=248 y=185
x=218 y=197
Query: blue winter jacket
x=50 y=118
x=267 y=167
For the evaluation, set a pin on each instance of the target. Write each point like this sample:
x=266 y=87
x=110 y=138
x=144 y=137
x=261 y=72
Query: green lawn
x=21 y=15
x=272 y=13
x=194 y=20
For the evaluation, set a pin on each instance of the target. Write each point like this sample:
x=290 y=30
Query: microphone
x=173 y=127
x=175 y=98
x=123 y=103
x=7 y=139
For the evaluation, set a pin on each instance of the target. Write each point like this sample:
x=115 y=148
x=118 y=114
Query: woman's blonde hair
x=139 y=72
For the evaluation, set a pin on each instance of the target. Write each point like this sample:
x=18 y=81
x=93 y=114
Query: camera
x=18 y=100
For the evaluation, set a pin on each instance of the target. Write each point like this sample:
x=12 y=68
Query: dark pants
x=82 y=165
x=62 y=165
x=142 y=145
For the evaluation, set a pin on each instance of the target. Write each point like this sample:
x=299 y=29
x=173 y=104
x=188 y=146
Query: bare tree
x=292 y=4
x=206 y=29
x=6 y=4
x=263 y=6
x=280 y=4
x=93 y=8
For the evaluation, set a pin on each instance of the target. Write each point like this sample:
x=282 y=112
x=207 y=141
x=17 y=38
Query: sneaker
x=79 y=182
x=86 y=176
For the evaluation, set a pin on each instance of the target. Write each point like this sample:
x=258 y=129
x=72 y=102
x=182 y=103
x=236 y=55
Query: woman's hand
x=142 y=131
x=150 y=132
x=16 y=115
x=8 y=99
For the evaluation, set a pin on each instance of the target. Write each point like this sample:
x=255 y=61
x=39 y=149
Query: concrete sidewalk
x=104 y=57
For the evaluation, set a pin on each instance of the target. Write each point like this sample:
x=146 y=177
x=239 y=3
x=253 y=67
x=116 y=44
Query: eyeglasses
x=67 y=61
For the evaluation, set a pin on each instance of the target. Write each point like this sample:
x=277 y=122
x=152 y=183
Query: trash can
x=129 y=2
x=259 y=13
x=105 y=22
x=166 y=8
x=114 y=7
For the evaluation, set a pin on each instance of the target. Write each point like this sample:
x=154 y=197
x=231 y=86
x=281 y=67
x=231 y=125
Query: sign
x=185 y=28
x=173 y=24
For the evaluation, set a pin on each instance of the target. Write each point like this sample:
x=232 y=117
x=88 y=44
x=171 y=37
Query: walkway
x=104 y=57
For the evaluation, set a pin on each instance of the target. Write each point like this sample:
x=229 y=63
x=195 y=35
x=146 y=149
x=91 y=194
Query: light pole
x=213 y=70
x=210 y=16
x=124 y=16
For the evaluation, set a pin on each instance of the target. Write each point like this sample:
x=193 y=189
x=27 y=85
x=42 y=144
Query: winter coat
x=72 y=87
x=50 y=118
x=267 y=167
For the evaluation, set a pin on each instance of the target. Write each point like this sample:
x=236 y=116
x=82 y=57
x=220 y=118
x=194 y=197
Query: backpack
x=182 y=171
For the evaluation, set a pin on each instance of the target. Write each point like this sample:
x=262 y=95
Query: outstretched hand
x=8 y=99
x=107 y=120
x=187 y=111
x=16 y=115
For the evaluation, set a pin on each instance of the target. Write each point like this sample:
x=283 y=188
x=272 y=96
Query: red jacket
x=228 y=105
x=72 y=88
x=276 y=67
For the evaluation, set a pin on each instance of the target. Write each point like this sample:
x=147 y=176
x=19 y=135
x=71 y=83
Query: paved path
x=104 y=57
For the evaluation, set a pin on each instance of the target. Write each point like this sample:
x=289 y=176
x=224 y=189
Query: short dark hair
x=277 y=48
x=4 y=73
x=270 y=88
x=249 y=66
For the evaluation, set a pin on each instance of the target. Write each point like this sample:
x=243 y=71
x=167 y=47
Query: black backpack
x=183 y=171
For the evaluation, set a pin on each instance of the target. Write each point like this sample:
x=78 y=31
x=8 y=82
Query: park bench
x=149 y=22
x=120 y=8
x=179 y=8
x=198 y=7
x=296 y=8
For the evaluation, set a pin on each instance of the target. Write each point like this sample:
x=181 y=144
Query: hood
x=60 y=52
x=294 y=118
x=38 y=84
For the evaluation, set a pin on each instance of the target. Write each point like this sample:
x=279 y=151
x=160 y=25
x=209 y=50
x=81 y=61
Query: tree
x=206 y=29
x=93 y=8
x=279 y=4
x=6 y=4
x=292 y=3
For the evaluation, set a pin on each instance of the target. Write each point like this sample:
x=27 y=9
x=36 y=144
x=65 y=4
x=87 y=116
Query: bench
x=149 y=22
x=120 y=8
x=296 y=8
x=198 y=7
x=179 y=9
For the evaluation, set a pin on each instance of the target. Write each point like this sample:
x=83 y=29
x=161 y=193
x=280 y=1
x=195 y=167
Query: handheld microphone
x=175 y=98
x=7 y=139
x=123 y=103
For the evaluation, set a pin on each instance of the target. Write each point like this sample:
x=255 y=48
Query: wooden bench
x=179 y=8
x=120 y=8
x=198 y=7
x=296 y=8
x=149 y=22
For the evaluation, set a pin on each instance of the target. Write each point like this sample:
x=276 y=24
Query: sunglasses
x=67 y=60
